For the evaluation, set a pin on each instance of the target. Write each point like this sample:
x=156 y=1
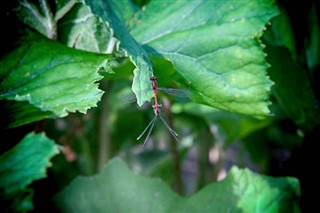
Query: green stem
x=174 y=150
x=104 y=136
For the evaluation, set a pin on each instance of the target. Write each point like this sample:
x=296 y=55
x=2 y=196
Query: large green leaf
x=136 y=53
x=51 y=77
x=214 y=47
x=117 y=189
x=22 y=165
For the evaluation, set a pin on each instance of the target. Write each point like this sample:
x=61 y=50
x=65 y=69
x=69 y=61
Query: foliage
x=116 y=185
x=23 y=164
x=65 y=70
x=240 y=62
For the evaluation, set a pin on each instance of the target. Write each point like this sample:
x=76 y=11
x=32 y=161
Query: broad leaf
x=51 y=77
x=117 y=189
x=22 y=165
x=292 y=89
x=214 y=46
x=136 y=53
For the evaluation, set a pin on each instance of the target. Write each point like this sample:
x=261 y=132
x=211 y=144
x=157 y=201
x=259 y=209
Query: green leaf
x=38 y=18
x=62 y=8
x=117 y=189
x=245 y=191
x=22 y=165
x=22 y=112
x=313 y=42
x=82 y=30
x=280 y=33
x=136 y=53
x=125 y=10
x=214 y=47
x=292 y=88
x=51 y=77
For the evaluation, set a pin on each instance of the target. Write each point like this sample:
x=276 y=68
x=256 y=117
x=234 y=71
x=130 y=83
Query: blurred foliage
x=118 y=189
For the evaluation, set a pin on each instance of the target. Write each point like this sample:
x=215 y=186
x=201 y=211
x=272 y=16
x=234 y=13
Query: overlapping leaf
x=215 y=48
x=51 y=77
x=136 y=53
x=117 y=189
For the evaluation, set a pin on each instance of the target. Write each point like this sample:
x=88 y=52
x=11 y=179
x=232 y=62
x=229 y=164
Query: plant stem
x=219 y=146
x=104 y=137
x=174 y=150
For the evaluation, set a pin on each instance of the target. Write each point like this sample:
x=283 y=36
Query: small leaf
x=117 y=189
x=136 y=53
x=214 y=47
x=51 y=77
x=23 y=164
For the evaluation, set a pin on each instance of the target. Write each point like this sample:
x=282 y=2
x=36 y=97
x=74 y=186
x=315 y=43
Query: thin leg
x=173 y=133
x=150 y=130
x=151 y=122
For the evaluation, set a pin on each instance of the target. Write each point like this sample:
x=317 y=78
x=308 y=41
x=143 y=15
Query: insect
x=182 y=93
x=157 y=112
